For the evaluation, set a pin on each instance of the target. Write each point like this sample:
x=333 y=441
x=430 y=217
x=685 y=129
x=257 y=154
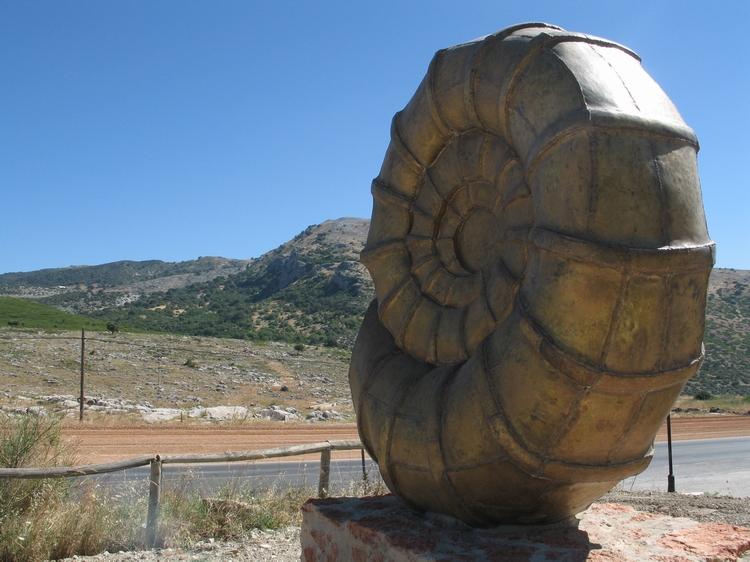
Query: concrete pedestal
x=383 y=529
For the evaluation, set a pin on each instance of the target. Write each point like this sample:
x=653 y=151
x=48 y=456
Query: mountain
x=310 y=289
x=313 y=289
x=87 y=288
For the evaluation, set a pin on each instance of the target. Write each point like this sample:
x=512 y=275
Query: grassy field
x=176 y=371
x=727 y=402
x=25 y=313
x=173 y=371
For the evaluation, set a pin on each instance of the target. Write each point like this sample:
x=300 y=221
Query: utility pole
x=83 y=345
x=670 y=477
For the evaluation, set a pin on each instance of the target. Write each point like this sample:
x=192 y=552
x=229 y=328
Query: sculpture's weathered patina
x=540 y=258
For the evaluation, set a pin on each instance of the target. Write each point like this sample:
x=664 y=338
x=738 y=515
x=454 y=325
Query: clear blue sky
x=149 y=129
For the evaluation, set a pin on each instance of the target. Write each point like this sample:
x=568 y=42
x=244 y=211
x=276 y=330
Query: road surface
x=720 y=466
x=212 y=478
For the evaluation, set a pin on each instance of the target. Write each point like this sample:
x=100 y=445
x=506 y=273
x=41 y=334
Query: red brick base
x=383 y=529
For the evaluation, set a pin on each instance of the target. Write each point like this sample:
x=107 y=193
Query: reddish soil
x=97 y=445
x=706 y=427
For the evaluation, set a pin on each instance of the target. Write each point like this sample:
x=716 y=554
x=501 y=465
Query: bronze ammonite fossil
x=540 y=258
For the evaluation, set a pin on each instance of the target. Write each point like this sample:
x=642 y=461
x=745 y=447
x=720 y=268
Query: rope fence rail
x=155 y=462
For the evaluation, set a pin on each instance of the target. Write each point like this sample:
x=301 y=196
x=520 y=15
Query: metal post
x=154 y=499
x=325 y=473
x=83 y=346
x=670 y=477
x=364 y=468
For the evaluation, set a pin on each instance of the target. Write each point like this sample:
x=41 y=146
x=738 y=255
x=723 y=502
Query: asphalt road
x=719 y=466
x=211 y=478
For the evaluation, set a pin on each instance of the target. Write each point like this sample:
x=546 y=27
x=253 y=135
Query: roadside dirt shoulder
x=107 y=444
x=110 y=444
x=706 y=427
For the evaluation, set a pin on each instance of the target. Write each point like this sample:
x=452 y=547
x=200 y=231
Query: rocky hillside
x=313 y=289
x=87 y=288
x=157 y=377
x=727 y=365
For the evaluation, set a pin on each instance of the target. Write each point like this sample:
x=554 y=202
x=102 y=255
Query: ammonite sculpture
x=540 y=258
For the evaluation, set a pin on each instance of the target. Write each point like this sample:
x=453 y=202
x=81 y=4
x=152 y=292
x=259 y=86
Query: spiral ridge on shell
x=540 y=258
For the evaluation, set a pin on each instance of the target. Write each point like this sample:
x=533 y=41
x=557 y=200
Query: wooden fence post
x=154 y=498
x=325 y=473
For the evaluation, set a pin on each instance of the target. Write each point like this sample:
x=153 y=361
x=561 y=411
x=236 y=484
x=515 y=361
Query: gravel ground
x=703 y=507
x=278 y=546
x=284 y=545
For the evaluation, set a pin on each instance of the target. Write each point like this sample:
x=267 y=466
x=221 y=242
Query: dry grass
x=172 y=371
x=729 y=403
x=236 y=509
x=49 y=519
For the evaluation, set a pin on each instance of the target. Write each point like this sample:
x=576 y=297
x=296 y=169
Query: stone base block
x=384 y=529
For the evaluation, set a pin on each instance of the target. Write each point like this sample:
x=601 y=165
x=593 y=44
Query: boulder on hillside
x=277 y=413
x=283 y=271
x=348 y=276
x=219 y=413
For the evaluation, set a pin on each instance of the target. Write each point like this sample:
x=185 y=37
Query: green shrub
x=29 y=440
x=703 y=395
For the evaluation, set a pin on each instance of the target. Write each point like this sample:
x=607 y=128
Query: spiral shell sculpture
x=540 y=258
